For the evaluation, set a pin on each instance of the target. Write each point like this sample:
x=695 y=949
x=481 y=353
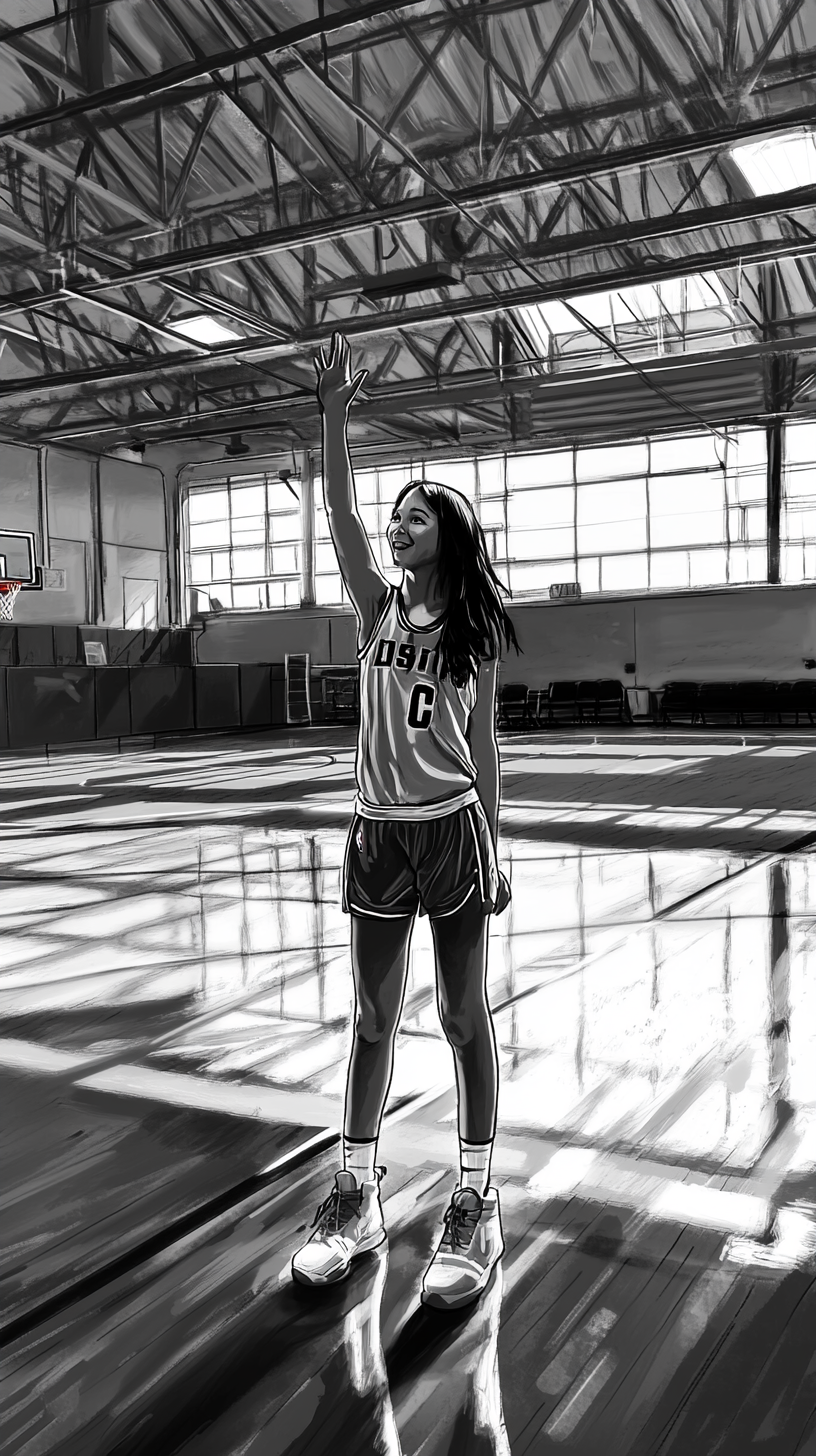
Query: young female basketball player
x=422 y=840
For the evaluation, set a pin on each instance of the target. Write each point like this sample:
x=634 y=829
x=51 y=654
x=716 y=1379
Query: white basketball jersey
x=413 y=756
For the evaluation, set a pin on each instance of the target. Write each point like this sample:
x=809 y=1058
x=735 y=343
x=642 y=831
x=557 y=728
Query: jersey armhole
x=382 y=607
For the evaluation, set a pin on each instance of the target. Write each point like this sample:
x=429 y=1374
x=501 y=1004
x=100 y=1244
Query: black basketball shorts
x=430 y=867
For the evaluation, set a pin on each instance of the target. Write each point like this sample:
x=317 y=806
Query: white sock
x=359 y=1158
x=475 y=1165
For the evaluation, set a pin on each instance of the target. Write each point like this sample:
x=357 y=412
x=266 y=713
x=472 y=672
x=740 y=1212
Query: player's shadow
x=451 y=1357
x=426 y=1333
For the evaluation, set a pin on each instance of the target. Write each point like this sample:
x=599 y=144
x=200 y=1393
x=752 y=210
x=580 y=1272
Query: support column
x=97 y=562
x=42 y=493
x=775 y=440
x=307 y=578
x=780 y=384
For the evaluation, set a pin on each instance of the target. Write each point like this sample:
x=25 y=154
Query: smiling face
x=413 y=531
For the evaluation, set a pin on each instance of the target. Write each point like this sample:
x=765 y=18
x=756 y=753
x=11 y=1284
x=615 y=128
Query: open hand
x=502 y=896
x=335 y=386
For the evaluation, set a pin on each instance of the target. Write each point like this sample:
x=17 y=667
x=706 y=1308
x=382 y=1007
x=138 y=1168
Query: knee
x=462 y=1023
x=373 y=1024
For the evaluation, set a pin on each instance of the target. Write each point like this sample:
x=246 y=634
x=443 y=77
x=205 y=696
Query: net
x=9 y=591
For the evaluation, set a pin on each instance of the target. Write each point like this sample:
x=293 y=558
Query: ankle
x=475 y=1165
x=359 y=1159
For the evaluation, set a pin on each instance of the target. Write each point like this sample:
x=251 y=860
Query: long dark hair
x=476 y=622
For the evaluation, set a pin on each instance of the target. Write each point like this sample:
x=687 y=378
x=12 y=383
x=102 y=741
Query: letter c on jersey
x=420 y=708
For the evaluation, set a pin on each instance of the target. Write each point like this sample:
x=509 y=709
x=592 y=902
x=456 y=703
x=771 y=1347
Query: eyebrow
x=414 y=511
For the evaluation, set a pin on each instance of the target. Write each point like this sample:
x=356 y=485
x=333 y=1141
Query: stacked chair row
x=740 y=704
x=603 y=701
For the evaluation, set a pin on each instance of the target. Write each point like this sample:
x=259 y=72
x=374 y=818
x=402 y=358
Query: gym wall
x=101 y=521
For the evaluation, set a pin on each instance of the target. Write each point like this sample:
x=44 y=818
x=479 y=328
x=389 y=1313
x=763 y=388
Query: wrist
x=335 y=414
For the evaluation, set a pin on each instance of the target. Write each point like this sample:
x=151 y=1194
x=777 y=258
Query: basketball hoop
x=8 y=595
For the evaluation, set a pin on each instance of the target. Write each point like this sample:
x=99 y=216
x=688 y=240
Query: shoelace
x=460 y=1225
x=336 y=1211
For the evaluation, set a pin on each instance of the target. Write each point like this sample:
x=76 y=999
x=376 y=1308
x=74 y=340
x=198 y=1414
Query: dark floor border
x=180 y=1228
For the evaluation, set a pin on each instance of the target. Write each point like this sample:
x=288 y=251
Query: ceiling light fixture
x=779 y=163
x=236 y=446
x=203 y=329
x=394 y=282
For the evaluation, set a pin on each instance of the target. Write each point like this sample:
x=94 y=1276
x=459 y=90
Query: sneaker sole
x=458 y=1301
x=455 y=1301
x=321 y=1281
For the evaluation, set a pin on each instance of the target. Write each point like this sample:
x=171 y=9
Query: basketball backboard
x=18 y=553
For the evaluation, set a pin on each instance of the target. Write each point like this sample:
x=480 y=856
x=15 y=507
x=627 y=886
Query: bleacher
x=562 y=703
x=677 y=705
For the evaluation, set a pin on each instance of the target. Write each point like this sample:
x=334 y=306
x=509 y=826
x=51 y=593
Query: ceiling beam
x=476 y=387
x=784 y=72
x=673 y=224
x=387 y=322
x=180 y=190
x=570 y=24
x=140 y=320
x=53 y=68
x=564 y=172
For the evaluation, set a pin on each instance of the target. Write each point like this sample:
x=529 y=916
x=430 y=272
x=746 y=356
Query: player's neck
x=422 y=594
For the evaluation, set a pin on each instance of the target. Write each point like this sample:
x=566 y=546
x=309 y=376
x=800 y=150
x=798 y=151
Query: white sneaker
x=469 y=1249
x=347 y=1224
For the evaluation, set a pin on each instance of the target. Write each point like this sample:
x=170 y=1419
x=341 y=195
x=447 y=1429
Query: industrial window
x=645 y=515
x=797 y=530
x=243 y=545
x=662 y=514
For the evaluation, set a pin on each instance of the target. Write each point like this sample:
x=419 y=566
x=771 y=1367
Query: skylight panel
x=203 y=329
x=778 y=164
x=643 y=302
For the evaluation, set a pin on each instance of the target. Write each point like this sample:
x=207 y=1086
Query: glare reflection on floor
x=603 y=1011
x=636 y=991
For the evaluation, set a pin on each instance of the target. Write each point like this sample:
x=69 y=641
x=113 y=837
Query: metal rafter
x=789 y=13
x=388 y=322
x=562 y=173
x=533 y=243
x=428 y=395
x=32 y=58
x=566 y=30
x=790 y=120
x=179 y=191
x=83 y=184
x=777 y=73
x=196 y=70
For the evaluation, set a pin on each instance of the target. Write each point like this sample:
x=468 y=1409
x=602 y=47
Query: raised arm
x=336 y=389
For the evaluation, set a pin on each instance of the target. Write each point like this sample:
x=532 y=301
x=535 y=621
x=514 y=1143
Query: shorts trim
x=345 y=879
x=381 y=914
x=416 y=813
x=443 y=914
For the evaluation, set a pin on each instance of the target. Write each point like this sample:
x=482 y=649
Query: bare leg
x=461 y=968
x=379 y=958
